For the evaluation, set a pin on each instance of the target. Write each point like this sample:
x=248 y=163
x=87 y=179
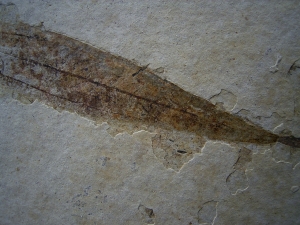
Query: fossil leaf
x=54 y=67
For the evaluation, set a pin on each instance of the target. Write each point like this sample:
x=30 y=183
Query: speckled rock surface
x=60 y=168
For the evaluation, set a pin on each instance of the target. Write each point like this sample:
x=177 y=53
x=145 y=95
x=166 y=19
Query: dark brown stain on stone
x=76 y=76
x=147 y=213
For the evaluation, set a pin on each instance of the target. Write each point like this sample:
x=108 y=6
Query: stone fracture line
x=113 y=87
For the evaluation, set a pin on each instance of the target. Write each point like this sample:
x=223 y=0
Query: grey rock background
x=59 y=168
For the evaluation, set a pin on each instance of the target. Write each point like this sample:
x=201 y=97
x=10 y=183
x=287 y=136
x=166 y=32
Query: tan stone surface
x=60 y=168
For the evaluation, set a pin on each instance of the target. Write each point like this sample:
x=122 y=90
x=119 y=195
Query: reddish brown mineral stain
x=54 y=67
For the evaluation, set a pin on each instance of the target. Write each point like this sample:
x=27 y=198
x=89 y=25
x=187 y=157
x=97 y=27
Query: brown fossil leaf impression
x=73 y=75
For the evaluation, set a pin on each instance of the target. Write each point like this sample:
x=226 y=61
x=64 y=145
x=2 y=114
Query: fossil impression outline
x=54 y=67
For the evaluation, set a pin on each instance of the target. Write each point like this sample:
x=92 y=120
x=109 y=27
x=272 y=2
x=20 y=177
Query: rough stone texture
x=60 y=168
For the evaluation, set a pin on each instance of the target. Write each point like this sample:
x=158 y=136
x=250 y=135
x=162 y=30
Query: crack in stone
x=237 y=181
x=140 y=70
x=208 y=213
x=294 y=66
x=274 y=68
